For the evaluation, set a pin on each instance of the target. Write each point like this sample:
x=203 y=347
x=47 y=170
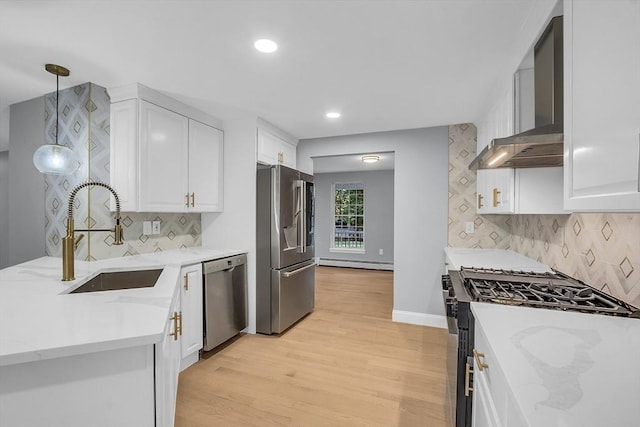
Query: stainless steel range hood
x=544 y=144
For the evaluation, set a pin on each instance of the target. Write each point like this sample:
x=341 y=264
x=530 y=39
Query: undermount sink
x=117 y=280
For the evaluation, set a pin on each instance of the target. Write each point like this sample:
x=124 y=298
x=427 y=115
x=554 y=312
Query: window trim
x=332 y=247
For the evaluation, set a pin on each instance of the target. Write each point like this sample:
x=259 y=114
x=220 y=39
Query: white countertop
x=566 y=369
x=492 y=258
x=41 y=321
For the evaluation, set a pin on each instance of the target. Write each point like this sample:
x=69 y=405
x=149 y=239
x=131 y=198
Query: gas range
x=552 y=290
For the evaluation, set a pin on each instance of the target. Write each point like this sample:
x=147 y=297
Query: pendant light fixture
x=55 y=159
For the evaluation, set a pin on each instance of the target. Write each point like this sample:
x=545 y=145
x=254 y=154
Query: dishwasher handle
x=298 y=270
x=223 y=264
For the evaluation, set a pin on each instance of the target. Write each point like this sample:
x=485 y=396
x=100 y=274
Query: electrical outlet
x=146 y=227
x=469 y=227
x=156 y=227
x=380 y=251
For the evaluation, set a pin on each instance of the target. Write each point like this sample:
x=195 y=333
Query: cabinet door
x=288 y=154
x=205 y=168
x=602 y=105
x=483 y=192
x=191 y=300
x=124 y=153
x=164 y=145
x=483 y=412
x=168 y=366
x=268 y=148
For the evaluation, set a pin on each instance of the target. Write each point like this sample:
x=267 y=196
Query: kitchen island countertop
x=42 y=321
x=565 y=369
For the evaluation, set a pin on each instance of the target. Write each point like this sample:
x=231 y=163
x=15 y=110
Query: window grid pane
x=349 y=216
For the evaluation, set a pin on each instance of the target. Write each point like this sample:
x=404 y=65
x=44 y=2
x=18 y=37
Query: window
x=348 y=219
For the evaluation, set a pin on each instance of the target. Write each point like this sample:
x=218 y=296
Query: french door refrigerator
x=285 y=264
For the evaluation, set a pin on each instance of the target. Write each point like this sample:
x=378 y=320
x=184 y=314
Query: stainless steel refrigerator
x=285 y=264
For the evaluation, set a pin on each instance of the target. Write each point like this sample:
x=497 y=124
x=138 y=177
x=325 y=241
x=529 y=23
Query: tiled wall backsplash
x=600 y=249
x=603 y=250
x=491 y=231
x=84 y=127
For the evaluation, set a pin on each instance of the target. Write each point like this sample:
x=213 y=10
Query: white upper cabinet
x=495 y=186
x=522 y=190
x=165 y=156
x=273 y=150
x=164 y=159
x=602 y=105
x=206 y=168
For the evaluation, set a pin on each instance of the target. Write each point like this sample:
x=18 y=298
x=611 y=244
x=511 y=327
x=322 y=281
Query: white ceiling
x=385 y=64
x=352 y=163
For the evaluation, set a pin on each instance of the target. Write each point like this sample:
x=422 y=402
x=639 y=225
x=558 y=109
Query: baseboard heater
x=370 y=265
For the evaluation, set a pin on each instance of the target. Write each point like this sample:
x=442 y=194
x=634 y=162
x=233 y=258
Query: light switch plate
x=156 y=227
x=469 y=227
x=146 y=227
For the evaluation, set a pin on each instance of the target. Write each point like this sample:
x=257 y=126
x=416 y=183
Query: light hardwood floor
x=346 y=364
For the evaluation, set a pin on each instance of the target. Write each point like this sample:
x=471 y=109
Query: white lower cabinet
x=484 y=410
x=102 y=389
x=192 y=311
x=167 y=366
x=493 y=404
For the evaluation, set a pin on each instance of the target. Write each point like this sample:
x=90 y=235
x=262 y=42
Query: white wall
x=378 y=190
x=420 y=211
x=4 y=209
x=235 y=228
x=26 y=184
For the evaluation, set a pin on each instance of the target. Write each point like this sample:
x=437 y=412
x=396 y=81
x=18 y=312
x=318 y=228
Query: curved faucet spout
x=69 y=242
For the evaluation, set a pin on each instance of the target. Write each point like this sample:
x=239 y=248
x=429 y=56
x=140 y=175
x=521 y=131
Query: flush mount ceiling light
x=370 y=159
x=266 y=45
x=333 y=115
x=55 y=159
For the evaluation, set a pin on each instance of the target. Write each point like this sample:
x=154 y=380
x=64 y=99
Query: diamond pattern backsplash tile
x=602 y=250
x=84 y=127
x=491 y=231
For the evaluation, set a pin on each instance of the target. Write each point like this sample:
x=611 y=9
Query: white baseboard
x=355 y=264
x=423 y=319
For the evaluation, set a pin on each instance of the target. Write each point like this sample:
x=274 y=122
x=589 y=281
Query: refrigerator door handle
x=302 y=216
x=298 y=270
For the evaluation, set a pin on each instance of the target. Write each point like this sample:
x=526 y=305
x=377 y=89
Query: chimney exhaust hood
x=544 y=144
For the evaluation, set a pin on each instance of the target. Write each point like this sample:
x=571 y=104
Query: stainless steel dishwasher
x=225 y=299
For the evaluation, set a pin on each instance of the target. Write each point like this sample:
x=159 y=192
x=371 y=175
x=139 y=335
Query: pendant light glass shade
x=56 y=159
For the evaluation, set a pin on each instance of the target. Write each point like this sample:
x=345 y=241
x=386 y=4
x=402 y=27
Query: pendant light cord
x=57 y=96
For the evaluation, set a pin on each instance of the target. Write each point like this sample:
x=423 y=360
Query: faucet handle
x=77 y=240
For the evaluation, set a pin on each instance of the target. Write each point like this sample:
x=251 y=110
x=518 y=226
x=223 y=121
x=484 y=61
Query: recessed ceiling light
x=333 y=115
x=370 y=159
x=266 y=45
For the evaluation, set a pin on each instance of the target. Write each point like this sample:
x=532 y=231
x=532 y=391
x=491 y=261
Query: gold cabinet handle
x=180 y=323
x=176 y=329
x=187 y=200
x=467 y=379
x=480 y=197
x=479 y=363
x=496 y=196
x=193 y=200
x=186 y=282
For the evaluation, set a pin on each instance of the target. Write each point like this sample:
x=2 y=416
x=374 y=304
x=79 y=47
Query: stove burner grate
x=547 y=290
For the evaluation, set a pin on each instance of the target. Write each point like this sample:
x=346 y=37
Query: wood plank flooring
x=346 y=364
